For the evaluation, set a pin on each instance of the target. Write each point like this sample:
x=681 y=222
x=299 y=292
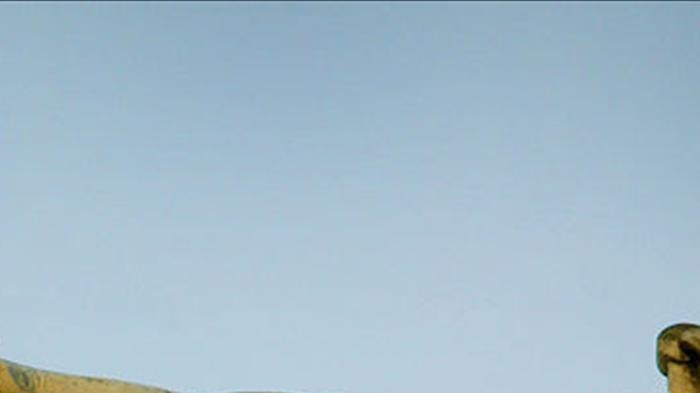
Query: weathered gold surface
x=678 y=357
x=16 y=378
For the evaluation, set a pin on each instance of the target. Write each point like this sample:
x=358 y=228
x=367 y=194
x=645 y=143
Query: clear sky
x=349 y=197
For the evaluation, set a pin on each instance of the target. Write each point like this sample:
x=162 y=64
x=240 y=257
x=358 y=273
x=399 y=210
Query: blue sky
x=349 y=197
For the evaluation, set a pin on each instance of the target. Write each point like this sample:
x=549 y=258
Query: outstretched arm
x=16 y=378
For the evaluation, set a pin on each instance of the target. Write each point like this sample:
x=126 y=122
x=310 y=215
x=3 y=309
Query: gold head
x=678 y=357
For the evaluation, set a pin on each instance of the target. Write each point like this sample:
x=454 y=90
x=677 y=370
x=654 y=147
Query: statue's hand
x=678 y=357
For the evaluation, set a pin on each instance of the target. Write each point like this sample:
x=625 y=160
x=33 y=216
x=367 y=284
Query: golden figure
x=678 y=357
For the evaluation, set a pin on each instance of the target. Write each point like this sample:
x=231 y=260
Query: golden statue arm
x=16 y=378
